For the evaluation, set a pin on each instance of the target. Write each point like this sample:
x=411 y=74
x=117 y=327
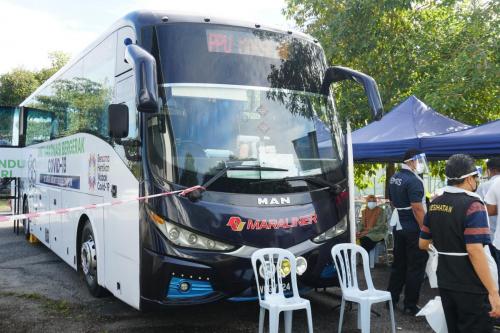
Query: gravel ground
x=40 y=293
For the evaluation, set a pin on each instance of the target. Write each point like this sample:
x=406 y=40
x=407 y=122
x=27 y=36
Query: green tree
x=57 y=60
x=19 y=83
x=445 y=52
x=16 y=85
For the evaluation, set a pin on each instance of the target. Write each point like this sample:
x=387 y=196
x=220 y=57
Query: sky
x=30 y=29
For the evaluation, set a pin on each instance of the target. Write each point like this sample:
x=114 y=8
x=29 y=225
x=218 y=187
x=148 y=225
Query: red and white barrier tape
x=61 y=211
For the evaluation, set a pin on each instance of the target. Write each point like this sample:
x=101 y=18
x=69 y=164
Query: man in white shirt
x=490 y=192
x=493 y=171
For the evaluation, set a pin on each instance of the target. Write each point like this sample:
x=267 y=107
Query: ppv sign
x=12 y=163
x=237 y=224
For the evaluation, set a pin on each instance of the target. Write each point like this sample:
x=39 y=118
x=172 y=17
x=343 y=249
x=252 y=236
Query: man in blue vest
x=407 y=195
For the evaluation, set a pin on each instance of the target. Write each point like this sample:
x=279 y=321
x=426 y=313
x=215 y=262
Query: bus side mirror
x=146 y=84
x=337 y=73
x=118 y=121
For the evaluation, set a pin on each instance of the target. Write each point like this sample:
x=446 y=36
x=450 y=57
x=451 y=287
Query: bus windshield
x=204 y=128
x=242 y=96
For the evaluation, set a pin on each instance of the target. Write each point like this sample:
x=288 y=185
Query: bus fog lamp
x=210 y=244
x=184 y=286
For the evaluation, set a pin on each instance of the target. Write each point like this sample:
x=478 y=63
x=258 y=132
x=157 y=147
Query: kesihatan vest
x=446 y=218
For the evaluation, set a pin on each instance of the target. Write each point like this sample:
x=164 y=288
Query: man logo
x=236 y=223
x=273 y=201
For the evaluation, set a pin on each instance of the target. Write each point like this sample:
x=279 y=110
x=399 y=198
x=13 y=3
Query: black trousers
x=465 y=312
x=367 y=243
x=408 y=267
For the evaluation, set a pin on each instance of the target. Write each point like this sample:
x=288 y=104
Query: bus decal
x=60 y=181
x=237 y=224
x=67 y=147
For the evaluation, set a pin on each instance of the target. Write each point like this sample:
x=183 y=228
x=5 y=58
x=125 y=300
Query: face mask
x=371 y=205
x=476 y=182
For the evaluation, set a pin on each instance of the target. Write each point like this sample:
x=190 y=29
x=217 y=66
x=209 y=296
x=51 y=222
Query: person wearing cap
x=407 y=195
x=457 y=227
x=374 y=227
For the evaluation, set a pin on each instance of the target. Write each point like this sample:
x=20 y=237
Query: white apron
x=432 y=262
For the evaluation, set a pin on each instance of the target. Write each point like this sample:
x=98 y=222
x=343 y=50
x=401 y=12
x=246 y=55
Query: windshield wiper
x=227 y=168
x=196 y=193
x=335 y=188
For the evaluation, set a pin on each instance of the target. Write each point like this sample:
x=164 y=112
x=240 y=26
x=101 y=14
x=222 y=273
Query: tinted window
x=7 y=126
x=202 y=53
x=97 y=85
x=78 y=99
x=40 y=126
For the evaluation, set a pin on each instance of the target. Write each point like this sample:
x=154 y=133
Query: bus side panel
x=122 y=252
x=41 y=225
x=70 y=227
x=121 y=230
x=82 y=169
x=55 y=232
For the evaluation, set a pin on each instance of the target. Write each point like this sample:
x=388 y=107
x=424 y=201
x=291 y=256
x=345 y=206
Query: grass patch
x=58 y=306
x=33 y=296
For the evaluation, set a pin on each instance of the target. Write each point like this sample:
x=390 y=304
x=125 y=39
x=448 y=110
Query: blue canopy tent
x=404 y=127
x=480 y=142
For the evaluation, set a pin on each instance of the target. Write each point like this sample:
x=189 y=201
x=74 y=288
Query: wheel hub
x=88 y=255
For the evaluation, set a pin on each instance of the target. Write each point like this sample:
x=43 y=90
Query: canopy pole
x=350 y=176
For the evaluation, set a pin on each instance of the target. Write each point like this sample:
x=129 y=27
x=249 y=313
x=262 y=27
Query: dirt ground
x=40 y=293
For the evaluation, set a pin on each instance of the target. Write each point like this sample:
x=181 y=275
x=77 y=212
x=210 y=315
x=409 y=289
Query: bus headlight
x=186 y=238
x=270 y=269
x=285 y=268
x=301 y=265
x=334 y=231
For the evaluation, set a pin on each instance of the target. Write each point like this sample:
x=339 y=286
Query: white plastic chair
x=272 y=296
x=344 y=257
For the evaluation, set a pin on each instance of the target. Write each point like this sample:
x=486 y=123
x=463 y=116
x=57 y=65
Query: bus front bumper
x=189 y=277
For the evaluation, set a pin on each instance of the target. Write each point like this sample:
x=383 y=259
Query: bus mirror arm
x=146 y=84
x=338 y=73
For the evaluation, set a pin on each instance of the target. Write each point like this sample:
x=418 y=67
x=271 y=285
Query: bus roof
x=144 y=18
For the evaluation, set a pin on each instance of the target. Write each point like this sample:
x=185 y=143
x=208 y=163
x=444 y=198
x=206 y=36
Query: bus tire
x=89 y=260
x=26 y=222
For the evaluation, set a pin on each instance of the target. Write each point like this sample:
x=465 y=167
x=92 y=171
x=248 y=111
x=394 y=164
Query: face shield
x=476 y=173
x=420 y=163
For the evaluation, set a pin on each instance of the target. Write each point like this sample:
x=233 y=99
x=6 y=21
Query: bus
x=240 y=114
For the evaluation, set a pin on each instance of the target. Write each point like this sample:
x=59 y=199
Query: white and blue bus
x=165 y=102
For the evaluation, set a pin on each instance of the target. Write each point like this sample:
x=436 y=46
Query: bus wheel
x=89 y=260
x=26 y=222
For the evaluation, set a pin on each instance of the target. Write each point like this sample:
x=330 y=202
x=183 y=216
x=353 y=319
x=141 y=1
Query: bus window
x=8 y=126
x=41 y=126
